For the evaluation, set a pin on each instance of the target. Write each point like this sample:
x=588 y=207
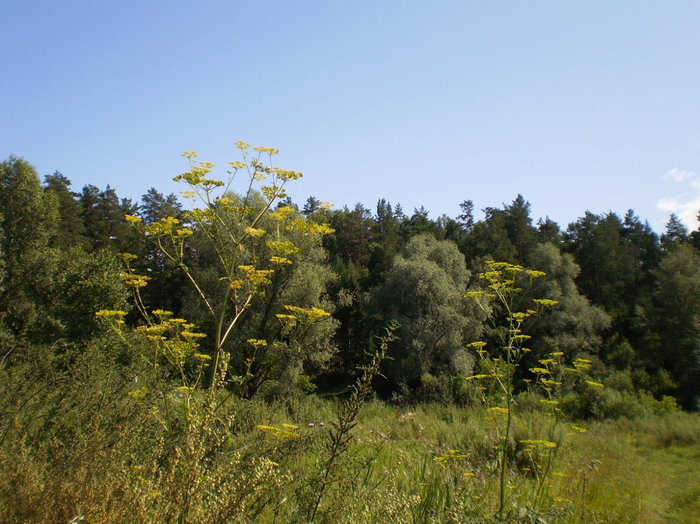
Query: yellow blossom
x=110 y=313
x=253 y=232
x=280 y=260
x=545 y=302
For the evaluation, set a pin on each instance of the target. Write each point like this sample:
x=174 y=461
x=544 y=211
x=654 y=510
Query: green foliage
x=424 y=292
x=574 y=327
x=29 y=221
x=675 y=317
x=30 y=214
x=48 y=293
x=617 y=260
x=103 y=218
x=154 y=206
x=490 y=238
x=609 y=258
x=61 y=292
x=676 y=233
x=71 y=229
x=84 y=283
x=505 y=234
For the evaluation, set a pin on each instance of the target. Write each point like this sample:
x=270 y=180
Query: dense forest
x=265 y=300
x=628 y=297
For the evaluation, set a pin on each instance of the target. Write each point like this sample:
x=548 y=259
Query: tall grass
x=87 y=451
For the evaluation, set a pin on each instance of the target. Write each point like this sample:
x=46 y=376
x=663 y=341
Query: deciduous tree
x=424 y=292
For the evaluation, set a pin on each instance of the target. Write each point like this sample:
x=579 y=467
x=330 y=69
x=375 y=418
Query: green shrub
x=664 y=406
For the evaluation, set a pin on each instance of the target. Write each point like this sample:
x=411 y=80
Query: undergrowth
x=94 y=456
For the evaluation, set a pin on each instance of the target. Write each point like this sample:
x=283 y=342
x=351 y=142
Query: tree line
x=627 y=297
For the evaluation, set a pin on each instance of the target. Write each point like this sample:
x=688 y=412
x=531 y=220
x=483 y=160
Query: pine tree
x=71 y=230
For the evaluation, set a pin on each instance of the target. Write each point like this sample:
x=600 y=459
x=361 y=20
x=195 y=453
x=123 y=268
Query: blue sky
x=590 y=105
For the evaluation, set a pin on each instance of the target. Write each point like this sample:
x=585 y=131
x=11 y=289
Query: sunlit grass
x=427 y=463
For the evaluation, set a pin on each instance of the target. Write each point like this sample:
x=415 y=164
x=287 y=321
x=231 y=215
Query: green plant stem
x=548 y=466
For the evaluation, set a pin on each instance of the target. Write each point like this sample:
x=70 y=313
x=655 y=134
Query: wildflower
x=282 y=247
x=280 y=260
x=191 y=335
x=535 y=274
x=310 y=314
x=237 y=164
x=183 y=232
x=545 y=302
x=110 y=313
x=253 y=232
x=520 y=316
x=132 y=219
x=548 y=382
x=582 y=363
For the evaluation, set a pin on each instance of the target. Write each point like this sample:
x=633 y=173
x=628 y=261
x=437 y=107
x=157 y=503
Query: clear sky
x=578 y=105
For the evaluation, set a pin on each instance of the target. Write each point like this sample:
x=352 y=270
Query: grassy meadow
x=88 y=458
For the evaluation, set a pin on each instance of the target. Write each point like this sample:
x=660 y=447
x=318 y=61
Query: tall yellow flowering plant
x=497 y=369
x=187 y=375
x=231 y=227
x=507 y=293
